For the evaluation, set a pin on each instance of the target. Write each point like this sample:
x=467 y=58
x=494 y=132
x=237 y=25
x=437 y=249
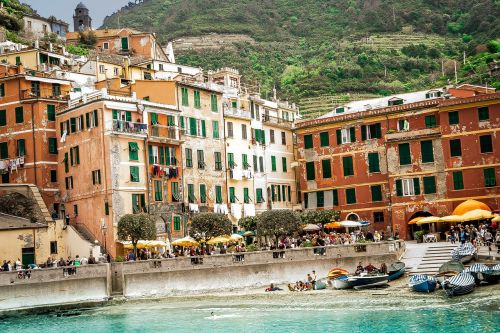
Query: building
x=391 y=159
x=28 y=143
x=43 y=59
x=81 y=19
x=37 y=27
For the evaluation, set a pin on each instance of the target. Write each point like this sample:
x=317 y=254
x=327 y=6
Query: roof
x=81 y=6
x=8 y=222
x=102 y=33
x=470 y=205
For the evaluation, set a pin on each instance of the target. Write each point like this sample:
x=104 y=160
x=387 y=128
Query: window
x=116 y=73
x=213 y=103
x=395 y=101
x=324 y=139
x=486 y=144
x=244 y=134
x=335 y=195
x=105 y=45
x=66 y=162
x=124 y=43
x=193 y=126
x=230 y=129
x=310 y=172
x=346 y=135
x=403 y=125
x=189 y=158
x=74 y=154
x=326 y=168
x=339 y=110
x=215 y=129
x=3 y=117
x=184 y=96
x=21 y=147
x=271 y=136
x=246 y=195
x=376 y=193
x=308 y=141
x=53 y=247
x=407 y=187
x=260 y=196
x=101 y=69
x=197 y=99
x=458 y=180
x=133 y=151
x=19 y=114
x=261 y=163
x=489 y=177
x=232 y=195
x=69 y=182
x=373 y=131
x=453 y=118
x=218 y=194
x=234 y=104
x=106 y=208
x=175 y=192
x=483 y=113
x=455 y=147
x=177 y=223
x=244 y=160
x=427 y=151
x=273 y=163
x=201 y=159
x=96 y=177
x=203 y=129
x=4 y=150
x=51 y=112
x=350 y=195
x=53 y=145
x=160 y=67
x=348 y=166
x=283 y=162
x=191 y=196
x=430 y=121
x=2 y=90
x=404 y=154
x=306 y=200
x=18 y=60
x=230 y=160
x=433 y=94
x=378 y=217
x=255 y=164
x=429 y=185
x=373 y=162
x=283 y=138
x=203 y=193
x=53 y=176
x=56 y=89
x=320 y=199
x=218 y=160
x=134 y=174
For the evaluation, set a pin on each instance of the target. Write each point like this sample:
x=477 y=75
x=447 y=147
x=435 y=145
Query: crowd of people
x=483 y=235
x=69 y=264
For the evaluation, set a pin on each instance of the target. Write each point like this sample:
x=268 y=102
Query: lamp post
x=104 y=229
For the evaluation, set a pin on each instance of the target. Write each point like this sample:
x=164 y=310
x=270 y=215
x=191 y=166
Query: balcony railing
x=237 y=113
x=166 y=132
x=278 y=121
x=123 y=126
x=44 y=94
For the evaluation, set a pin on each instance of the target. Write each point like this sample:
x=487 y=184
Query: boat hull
x=425 y=286
x=453 y=290
x=492 y=277
x=396 y=275
x=359 y=282
x=460 y=284
x=342 y=283
x=371 y=285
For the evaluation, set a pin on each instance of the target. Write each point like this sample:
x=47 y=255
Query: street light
x=104 y=229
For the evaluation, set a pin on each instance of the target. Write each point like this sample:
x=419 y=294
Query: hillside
x=311 y=48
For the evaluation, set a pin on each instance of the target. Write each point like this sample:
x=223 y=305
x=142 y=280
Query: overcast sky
x=64 y=9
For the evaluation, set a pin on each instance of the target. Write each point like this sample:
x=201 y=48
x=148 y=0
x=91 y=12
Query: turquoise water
x=321 y=311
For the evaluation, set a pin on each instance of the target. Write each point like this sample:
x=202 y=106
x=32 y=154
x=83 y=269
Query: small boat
x=460 y=284
x=368 y=280
x=342 y=282
x=319 y=285
x=396 y=270
x=491 y=276
x=336 y=272
x=477 y=271
x=448 y=270
x=464 y=253
x=422 y=283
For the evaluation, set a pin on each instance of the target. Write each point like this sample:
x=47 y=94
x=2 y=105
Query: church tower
x=82 y=19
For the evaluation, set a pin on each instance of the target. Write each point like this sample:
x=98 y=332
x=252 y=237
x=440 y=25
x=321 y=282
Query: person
x=84 y=261
x=91 y=260
x=452 y=235
x=369 y=237
x=313 y=281
x=5 y=267
x=66 y=219
x=19 y=264
x=77 y=261
x=273 y=288
x=488 y=238
x=291 y=288
x=497 y=241
x=383 y=268
x=359 y=269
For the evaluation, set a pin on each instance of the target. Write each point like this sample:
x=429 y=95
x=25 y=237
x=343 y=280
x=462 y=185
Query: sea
x=388 y=311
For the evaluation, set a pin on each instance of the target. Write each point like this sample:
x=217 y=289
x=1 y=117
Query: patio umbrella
x=415 y=220
x=248 y=233
x=311 y=227
x=186 y=241
x=452 y=219
x=496 y=219
x=333 y=225
x=477 y=214
x=351 y=224
x=429 y=219
x=235 y=238
x=218 y=240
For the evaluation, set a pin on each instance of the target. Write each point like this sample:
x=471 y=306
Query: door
x=28 y=256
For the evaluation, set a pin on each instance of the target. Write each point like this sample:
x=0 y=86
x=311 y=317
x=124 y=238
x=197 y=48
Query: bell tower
x=82 y=19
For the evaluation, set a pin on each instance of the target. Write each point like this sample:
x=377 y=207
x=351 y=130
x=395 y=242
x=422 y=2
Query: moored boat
x=422 y=283
x=491 y=276
x=460 y=284
x=464 y=253
x=319 y=285
x=396 y=270
x=449 y=269
x=477 y=271
x=342 y=282
x=368 y=280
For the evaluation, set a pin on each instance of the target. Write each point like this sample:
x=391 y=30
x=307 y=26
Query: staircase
x=435 y=256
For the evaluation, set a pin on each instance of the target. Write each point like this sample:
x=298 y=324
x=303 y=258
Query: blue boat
x=342 y=282
x=423 y=283
x=396 y=270
x=464 y=253
x=460 y=284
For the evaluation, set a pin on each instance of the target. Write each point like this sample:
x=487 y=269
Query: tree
x=323 y=216
x=249 y=223
x=209 y=225
x=278 y=223
x=88 y=39
x=135 y=227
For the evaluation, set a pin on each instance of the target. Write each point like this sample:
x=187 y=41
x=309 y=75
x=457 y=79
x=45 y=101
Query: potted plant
x=419 y=236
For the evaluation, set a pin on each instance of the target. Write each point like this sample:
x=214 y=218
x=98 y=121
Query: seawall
x=95 y=283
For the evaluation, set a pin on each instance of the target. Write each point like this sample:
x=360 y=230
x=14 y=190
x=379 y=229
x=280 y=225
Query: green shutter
x=430 y=121
x=2 y=90
x=168 y=156
x=177 y=223
x=458 y=181
x=215 y=129
x=154 y=118
x=399 y=187
x=162 y=155
x=185 y=96
x=133 y=151
x=218 y=194
x=255 y=165
x=213 y=103
x=87 y=119
x=429 y=185
x=128 y=115
x=377 y=131
x=260 y=196
x=53 y=145
x=283 y=162
x=257 y=135
x=203 y=193
x=158 y=190
x=427 y=151
x=263 y=137
x=230 y=160
x=273 y=163
x=324 y=139
x=191 y=196
x=124 y=43
x=308 y=141
x=232 y=195
x=320 y=199
x=197 y=99
x=19 y=114
x=363 y=132
x=326 y=168
x=310 y=171
x=489 y=177
x=453 y=117
x=350 y=194
x=455 y=148
x=134 y=174
x=96 y=120
x=352 y=132
x=348 y=166
x=192 y=124
x=150 y=154
x=66 y=162
x=115 y=115
x=51 y=112
x=182 y=121
x=203 y=129
x=273 y=194
x=135 y=203
x=339 y=136
x=4 y=150
x=373 y=162
x=246 y=195
x=416 y=185
x=376 y=193
x=3 y=117
x=404 y=154
x=483 y=113
x=335 y=194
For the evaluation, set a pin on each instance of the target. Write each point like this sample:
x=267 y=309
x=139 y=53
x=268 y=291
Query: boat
x=476 y=271
x=460 y=284
x=319 y=285
x=368 y=280
x=491 y=276
x=342 y=282
x=464 y=253
x=336 y=272
x=422 y=283
x=448 y=270
x=396 y=270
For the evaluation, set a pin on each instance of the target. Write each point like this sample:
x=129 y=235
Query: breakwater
x=95 y=283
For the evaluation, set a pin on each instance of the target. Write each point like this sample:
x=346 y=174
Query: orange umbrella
x=415 y=220
x=333 y=225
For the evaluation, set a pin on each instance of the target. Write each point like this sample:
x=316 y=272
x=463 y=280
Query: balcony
x=413 y=134
x=279 y=122
x=166 y=134
x=128 y=127
x=27 y=94
x=238 y=113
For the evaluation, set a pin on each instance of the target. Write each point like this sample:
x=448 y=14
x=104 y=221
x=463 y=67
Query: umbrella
x=236 y=237
x=143 y=244
x=218 y=239
x=333 y=225
x=477 y=214
x=311 y=227
x=496 y=219
x=429 y=219
x=351 y=224
x=452 y=218
x=186 y=241
x=248 y=233
x=415 y=220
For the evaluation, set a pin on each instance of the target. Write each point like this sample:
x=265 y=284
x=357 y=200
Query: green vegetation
x=278 y=223
x=209 y=225
x=313 y=48
x=136 y=227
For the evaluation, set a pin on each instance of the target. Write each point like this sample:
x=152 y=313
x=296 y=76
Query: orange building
x=28 y=141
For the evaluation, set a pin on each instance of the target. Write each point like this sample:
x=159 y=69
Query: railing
x=276 y=120
x=123 y=126
x=169 y=132
x=237 y=113
x=44 y=93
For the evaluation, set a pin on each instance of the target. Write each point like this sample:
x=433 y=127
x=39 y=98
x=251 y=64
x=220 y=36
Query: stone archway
x=352 y=217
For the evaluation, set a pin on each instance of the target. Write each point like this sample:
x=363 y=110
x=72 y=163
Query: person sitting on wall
x=273 y=288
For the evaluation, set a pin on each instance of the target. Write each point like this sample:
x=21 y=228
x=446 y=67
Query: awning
x=122 y=106
x=47 y=80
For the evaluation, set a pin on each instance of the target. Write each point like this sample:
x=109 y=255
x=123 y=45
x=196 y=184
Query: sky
x=64 y=9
